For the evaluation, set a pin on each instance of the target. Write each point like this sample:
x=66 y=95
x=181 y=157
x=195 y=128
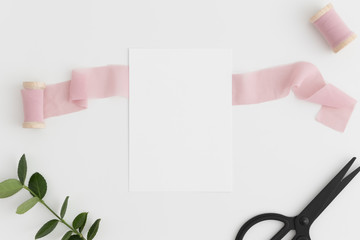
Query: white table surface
x=282 y=156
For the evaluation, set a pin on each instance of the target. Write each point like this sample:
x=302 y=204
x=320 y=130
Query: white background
x=282 y=156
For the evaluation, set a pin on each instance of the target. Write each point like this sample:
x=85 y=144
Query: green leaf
x=47 y=228
x=93 y=230
x=9 y=187
x=38 y=185
x=80 y=220
x=26 y=206
x=64 y=207
x=67 y=235
x=22 y=169
x=82 y=227
x=75 y=237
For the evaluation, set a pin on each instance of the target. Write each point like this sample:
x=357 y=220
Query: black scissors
x=302 y=222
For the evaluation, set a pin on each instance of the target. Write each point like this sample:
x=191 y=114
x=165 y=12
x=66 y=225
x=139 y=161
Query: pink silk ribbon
x=303 y=78
x=306 y=82
x=90 y=83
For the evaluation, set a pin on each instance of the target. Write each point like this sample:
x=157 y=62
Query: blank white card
x=180 y=120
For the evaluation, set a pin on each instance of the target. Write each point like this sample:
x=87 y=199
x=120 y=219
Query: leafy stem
x=62 y=220
x=37 y=187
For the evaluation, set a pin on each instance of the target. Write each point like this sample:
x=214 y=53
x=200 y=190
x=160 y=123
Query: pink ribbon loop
x=89 y=83
x=304 y=79
x=306 y=82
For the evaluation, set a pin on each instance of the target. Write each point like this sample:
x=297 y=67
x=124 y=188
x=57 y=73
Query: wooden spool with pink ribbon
x=332 y=28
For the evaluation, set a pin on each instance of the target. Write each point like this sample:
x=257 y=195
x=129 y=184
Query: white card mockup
x=180 y=120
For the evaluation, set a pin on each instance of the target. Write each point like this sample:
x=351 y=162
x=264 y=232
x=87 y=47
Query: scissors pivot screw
x=304 y=221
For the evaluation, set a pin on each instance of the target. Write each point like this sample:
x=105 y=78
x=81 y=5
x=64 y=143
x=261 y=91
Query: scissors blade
x=321 y=201
x=338 y=190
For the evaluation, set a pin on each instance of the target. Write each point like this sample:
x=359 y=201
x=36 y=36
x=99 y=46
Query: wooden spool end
x=344 y=43
x=36 y=125
x=320 y=13
x=34 y=85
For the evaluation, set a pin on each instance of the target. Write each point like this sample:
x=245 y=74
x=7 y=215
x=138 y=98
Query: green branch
x=53 y=212
x=37 y=187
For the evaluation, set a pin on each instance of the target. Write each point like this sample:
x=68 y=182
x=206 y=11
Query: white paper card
x=180 y=120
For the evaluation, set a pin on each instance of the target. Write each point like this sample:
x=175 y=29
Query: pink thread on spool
x=33 y=101
x=333 y=28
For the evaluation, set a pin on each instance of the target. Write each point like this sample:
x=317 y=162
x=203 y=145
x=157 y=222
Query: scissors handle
x=288 y=225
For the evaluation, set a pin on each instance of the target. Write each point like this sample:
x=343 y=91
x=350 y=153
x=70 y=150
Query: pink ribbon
x=90 y=83
x=72 y=96
x=304 y=79
x=307 y=83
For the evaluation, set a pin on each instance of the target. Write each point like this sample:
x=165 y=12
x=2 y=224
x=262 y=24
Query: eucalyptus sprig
x=37 y=188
